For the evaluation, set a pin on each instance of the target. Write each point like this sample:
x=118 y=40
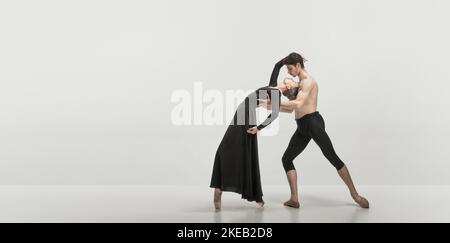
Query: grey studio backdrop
x=86 y=86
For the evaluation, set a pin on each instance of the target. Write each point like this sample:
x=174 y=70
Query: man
x=310 y=125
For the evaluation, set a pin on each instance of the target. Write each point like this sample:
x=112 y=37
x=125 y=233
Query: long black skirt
x=236 y=164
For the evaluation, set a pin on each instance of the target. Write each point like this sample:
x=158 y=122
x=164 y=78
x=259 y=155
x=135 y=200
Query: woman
x=236 y=164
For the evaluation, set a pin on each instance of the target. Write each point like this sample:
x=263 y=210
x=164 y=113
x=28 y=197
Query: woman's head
x=294 y=63
x=291 y=89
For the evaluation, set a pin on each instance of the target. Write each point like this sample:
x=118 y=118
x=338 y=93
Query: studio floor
x=184 y=204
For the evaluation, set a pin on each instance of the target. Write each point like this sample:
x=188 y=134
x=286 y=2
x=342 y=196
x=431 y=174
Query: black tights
x=310 y=126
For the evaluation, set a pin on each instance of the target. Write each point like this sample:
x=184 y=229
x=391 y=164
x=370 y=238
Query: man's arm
x=301 y=97
x=268 y=106
x=284 y=109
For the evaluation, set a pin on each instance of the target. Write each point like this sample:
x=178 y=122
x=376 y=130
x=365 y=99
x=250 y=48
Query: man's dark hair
x=293 y=59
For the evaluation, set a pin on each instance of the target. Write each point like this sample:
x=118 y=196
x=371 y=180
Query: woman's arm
x=275 y=107
x=275 y=72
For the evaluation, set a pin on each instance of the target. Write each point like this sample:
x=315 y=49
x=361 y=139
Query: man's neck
x=303 y=74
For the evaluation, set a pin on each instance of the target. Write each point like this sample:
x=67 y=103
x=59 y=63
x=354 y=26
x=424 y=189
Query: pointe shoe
x=292 y=204
x=217 y=199
x=361 y=201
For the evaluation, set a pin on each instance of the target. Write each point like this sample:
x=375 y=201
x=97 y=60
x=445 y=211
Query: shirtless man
x=310 y=125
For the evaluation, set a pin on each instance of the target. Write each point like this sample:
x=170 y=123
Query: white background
x=85 y=87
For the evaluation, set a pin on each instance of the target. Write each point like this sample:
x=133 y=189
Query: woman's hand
x=253 y=130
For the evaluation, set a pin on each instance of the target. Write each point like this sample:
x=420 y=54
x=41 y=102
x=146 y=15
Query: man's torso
x=310 y=104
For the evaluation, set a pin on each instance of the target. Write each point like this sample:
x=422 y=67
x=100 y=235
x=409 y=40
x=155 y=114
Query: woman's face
x=289 y=83
x=292 y=89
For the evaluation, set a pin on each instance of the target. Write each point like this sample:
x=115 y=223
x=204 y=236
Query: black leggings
x=310 y=126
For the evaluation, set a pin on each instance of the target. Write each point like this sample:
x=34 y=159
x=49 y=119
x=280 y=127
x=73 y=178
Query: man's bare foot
x=291 y=203
x=217 y=198
x=361 y=201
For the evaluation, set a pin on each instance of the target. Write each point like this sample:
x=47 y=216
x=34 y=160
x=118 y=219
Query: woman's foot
x=361 y=201
x=292 y=204
x=261 y=204
x=217 y=198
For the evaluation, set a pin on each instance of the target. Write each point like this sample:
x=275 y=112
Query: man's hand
x=253 y=130
x=266 y=104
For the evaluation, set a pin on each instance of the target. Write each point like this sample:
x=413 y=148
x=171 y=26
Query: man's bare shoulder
x=308 y=82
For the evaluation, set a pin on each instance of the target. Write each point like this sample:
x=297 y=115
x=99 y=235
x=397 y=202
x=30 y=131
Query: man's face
x=293 y=70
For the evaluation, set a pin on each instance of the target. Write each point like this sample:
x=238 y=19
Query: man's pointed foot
x=292 y=204
x=361 y=201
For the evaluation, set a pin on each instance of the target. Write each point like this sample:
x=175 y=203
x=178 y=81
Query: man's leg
x=322 y=139
x=296 y=145
x=345 y=176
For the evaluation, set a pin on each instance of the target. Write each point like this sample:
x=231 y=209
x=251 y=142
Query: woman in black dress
x=236 y=164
